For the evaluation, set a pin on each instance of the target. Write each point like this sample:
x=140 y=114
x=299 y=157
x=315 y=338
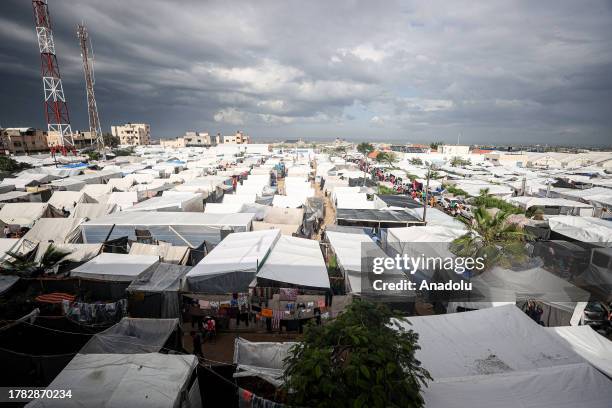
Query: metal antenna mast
x=56 y=109
x=95 y=128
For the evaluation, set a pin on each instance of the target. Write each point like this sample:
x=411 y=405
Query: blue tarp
x=74 y=165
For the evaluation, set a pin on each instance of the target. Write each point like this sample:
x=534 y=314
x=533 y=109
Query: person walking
x=197 y=343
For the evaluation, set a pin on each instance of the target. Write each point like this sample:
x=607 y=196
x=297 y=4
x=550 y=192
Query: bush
x=10 y=165
x=493 y=202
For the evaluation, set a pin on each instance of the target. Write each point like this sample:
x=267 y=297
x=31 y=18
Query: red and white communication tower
x=56 y=109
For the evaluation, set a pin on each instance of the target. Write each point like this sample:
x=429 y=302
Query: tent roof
x=24 y=214
x=123 y=380
x=424 y=233
x=286 y=229
x=296 y=261
x=115 y=267
x=240 y=251
x=165 y=251
x=385 y=216
x=164 y=277
x=152 y=218
x=576 y=385
x=76 y=252
x=584 y=229
x=437 y=217
x=131 y=336
x=589 y=344
x=261 y=359
x=403 y=201
x=484 y=342
x=92 y=210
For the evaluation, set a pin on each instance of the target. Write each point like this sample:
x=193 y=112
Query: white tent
x=584 y=229
x=69 y=199
x=242 y=198
x=126 y=380
x=223 y=208
x=76 y=252
x=589 y=344
x=501 y=358
x=232 y=264
x=178 y=228
x=435 y=217
x=92 y=210
x=57 y=230
x=261 y=359
x=97 y=190
x=115 y=267
x=123 y=200
x=291 y=201
x=26 y=214
x=296 y=261
x=563 y=302
x=567 y=207
x=175 y=201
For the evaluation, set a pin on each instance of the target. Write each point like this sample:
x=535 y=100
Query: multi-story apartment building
x=23 y=140
x=80 y=139
x=197 y=139
x=238 y=138
x=132 y=134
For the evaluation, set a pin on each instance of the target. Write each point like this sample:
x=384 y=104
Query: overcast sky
x=492 y=71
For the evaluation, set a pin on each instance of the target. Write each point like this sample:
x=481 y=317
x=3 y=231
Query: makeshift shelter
x=261 y=359
x=177 y=228
x=286 y=229
x=127 y=380
x=231 y=266
x=166 y=252
x=97 y=190
x=76 y=253
x=15 y=197
x=553 y=206
x=590 y=345
x=402 y=201
x=435 y=217
x=26 y=214
x=67 y=184
x=583 y=229
x=115 y=267
x=295 y=262
x=376 y=218
x=562 y=302
x=92 y=211
x=69 y=199
x=500 y=357
x=156 y=293
x=132 y=336
x=56 y=230
x=171 y=201
x=123 y=200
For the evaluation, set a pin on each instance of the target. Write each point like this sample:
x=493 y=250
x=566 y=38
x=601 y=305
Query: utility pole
x=95 y=129
x=426 y=194
x=523 y=185
x=56 y=109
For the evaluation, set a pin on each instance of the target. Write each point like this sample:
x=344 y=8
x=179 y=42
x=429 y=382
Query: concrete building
x=238 y=138
x=173 y=143
x=132 y=134
x=23 y=140
x=454 y=150
x=197 y=139
x=518 y=159
x=81 y=139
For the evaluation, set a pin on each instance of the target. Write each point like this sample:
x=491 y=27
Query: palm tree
x=365 y=149
x=492 y=238
x=25 y=266
x=386 y=158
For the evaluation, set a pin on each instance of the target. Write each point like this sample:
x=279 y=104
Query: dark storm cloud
x=405 y=71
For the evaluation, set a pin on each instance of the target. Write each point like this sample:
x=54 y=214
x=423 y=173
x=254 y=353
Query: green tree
x=110 y=140
x=10 y=165
x=416 y=161
x=388 y=158
x=363 y=358
x=25 y=266
x=434 y=145
x=365 y=149
x=458 y=161
x=493 y=238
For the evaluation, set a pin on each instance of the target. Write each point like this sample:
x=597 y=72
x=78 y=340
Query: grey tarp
x=132 y=336
x=376 y=216
x=261 y=359
x=165 y=279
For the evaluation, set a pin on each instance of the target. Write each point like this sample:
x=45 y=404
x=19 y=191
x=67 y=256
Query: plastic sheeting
x=92 y=210
x=231 y=266
x=166 y=252
x=57 y=230
x=435 y=217
x=584 y=229
x=261 y=359
x=76 y=252
x=578 y=385
x=589 y=344
x=25 y=214
x=123 y=200
x=132 y=336
x=485 y=342
x=296 y=261
x=286 y=229
x=69 y=199
x=115 y=267
x=126 y=380
x=275 y=215
x=177 y=201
